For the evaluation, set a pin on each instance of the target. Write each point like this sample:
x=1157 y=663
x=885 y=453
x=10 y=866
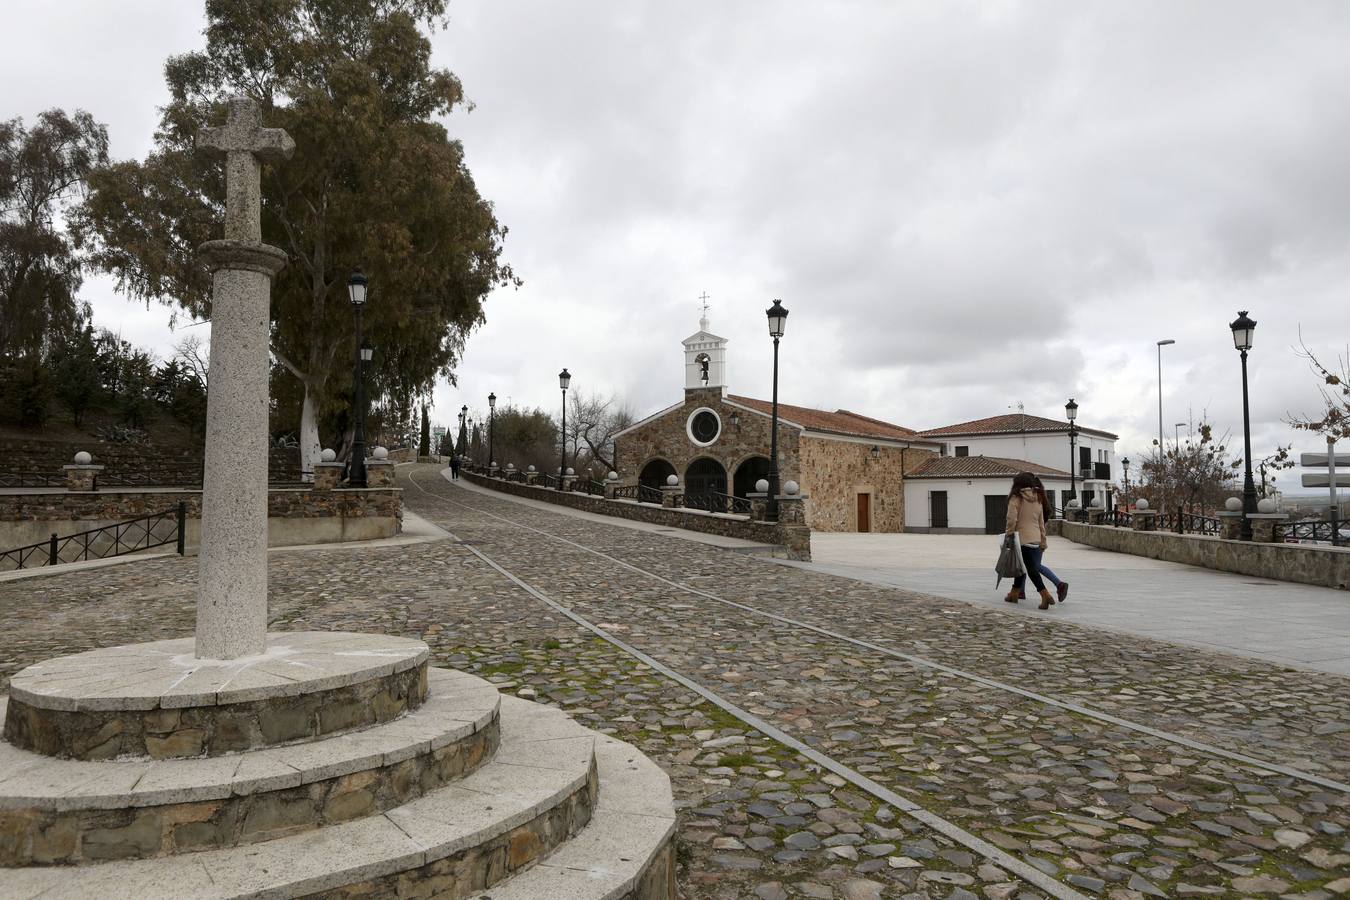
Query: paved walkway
x=1283 y=623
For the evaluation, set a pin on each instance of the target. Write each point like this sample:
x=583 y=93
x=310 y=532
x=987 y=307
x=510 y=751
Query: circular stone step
x=534 y=795
x=62 y=811
x=158 y=700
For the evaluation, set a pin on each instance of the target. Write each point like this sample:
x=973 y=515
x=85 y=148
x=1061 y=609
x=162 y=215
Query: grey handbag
x=1009 y=563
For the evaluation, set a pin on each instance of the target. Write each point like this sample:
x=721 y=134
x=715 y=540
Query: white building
x=965 y=490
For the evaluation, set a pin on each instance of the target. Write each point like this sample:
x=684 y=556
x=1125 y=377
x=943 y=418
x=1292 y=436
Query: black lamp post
x=564 y=379
x=1125 y=464
x=462 y=442
x=777 y=322
x=492 y=430
x=356 y=472
x=1071 y=411
x=1243 y=329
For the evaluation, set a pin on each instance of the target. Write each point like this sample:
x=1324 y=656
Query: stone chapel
x=850 y=467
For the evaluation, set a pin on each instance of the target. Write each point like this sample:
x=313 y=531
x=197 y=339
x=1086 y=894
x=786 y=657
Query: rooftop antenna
x=1022 y=411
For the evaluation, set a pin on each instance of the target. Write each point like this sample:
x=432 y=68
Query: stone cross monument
x=232 y=575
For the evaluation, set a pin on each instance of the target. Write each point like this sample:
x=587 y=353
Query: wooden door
x=995 y=513
x=938 y=503
x=864 y=513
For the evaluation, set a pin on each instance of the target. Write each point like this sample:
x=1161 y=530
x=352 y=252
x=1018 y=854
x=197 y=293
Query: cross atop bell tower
x=705 y=356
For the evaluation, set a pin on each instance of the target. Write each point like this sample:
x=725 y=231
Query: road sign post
x=1332 y=480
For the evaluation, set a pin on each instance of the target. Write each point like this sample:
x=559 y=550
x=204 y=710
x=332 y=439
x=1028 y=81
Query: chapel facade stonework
x=851 y=468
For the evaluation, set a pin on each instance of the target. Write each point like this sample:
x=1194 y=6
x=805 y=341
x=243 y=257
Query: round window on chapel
x=705 y=427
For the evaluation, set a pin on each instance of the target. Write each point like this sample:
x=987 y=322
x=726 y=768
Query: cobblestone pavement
x=1103 y=809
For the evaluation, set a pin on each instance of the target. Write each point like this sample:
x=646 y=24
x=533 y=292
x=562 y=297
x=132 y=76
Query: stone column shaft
x=232 y=581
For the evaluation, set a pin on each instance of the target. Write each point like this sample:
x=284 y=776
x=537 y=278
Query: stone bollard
x=1230 y=525
x=379 y=473
x=1144 y=520
x=82 y=474
x=1094 y=516
x=672 y=496
x=759 y=505
x=567 y=482
x=1265 y=527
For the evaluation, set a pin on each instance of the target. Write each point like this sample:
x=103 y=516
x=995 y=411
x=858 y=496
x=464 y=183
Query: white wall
x=1045 y=449
x=965 y=499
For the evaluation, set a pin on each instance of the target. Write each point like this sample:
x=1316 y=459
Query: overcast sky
x=965 y=206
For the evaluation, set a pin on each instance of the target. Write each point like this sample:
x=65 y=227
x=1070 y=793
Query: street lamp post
x=1243 y=328
x=492 y=430
x=1176 y=435
x=1071 y=411
x=356 y=473
x=1125 y=487
x=777 y=322
x=462 y=440
x=564 y=379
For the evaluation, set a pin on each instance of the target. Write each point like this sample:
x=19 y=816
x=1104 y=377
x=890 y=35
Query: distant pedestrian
x=1061 y=587
x=1026 y=517
x=454 y=468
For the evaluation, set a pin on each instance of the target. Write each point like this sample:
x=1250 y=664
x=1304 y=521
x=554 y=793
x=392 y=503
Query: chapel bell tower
x=705 y=358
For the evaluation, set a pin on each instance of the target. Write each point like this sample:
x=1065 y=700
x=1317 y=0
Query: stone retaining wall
x=158 y=465
x=1303 y=563
x=294 y=515
x=794 y=539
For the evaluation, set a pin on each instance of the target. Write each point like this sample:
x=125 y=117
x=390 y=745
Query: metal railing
x=32 y=479
x=1117 y=517
x=717 y=502
x=1313 y=530
x=648 y=494
x=589 y=486
x=626 y=492
x=118 y=539
x=546 y=480
x=1183 y=522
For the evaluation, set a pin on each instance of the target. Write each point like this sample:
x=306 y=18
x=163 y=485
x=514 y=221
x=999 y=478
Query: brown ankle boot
x=1046 y=600
x=1013 y=597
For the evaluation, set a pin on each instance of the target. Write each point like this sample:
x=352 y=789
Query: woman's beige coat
x=1026 y=516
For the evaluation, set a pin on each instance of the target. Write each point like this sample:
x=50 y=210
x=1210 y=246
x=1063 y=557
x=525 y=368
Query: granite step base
x=62 y=811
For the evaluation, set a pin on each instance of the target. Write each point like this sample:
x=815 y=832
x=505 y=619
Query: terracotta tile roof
x=979 y=467
x=841 y=421
x=1010 y=423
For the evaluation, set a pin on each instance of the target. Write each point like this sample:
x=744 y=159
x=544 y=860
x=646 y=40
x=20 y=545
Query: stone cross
x=232 y=577
x=246 y=145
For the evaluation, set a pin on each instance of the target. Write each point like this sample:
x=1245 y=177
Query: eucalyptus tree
x=376 y=182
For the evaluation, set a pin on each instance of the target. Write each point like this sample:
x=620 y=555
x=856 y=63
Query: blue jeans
x=1049 y=576
x=1031 y=560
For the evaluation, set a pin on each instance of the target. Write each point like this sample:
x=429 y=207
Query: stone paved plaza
x=1028 y=755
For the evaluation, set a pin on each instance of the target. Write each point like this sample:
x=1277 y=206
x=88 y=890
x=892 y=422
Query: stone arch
x=751 y=469
x=705 y=474
x=655 y=471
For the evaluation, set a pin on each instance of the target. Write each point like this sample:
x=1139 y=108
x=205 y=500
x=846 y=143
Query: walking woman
x=1026 y=517
x=1061 y=587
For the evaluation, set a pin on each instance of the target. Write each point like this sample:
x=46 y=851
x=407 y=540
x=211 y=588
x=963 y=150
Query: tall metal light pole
x=1243 y=328
x=356 y=471
x=462 y=440
x=492 y=430
x=777 y=323
x=564 y=379
x=1071 y=412
x=1176 y=435
x=1125 y=487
